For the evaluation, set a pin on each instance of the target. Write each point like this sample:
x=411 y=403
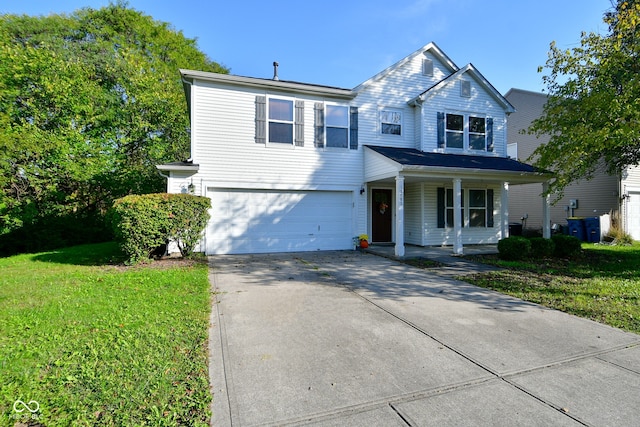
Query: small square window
x=391 y=122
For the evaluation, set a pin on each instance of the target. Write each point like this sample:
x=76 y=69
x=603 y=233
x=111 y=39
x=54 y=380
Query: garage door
x=278 y=221
x=633 y=215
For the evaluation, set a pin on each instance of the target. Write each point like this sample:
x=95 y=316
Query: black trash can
x=515 y=229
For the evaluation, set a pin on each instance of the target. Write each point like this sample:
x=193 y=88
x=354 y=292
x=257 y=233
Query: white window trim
x=348 y=127
x=382 y=110
x=293 y=122
x=465 y=132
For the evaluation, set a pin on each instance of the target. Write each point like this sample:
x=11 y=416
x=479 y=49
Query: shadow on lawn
x=90 y=255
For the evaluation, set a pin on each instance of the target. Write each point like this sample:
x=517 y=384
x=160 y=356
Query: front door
x=381 y=216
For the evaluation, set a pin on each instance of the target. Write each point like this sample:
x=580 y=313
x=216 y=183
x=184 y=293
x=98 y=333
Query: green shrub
x=141 y=223
x=514 y=248
x=541 y=247
x=566 y=246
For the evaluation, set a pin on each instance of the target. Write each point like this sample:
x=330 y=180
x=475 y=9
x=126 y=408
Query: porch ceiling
x=383 y=164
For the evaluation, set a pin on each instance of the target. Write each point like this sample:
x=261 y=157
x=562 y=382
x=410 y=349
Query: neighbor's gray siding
x=595 y=197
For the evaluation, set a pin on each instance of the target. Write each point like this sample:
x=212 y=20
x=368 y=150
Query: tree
x=593 y=111
x=89 y=104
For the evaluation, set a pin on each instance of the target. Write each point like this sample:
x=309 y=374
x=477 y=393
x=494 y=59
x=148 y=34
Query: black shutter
x=299 y=124
x=318 y=112
x=440 y=130
x=490 y=208
x=353 y=129
x=440 y=206
x=490 y=134
x=261 y=119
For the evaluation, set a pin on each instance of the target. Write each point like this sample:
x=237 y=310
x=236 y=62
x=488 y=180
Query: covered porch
x=428 y=193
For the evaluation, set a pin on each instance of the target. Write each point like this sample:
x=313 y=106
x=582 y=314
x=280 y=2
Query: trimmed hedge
x=142 y=223
x=566 y=246
x=541 y=247
x=514 y=248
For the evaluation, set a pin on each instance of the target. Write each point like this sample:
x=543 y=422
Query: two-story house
x=416 y=155
x=614 y=194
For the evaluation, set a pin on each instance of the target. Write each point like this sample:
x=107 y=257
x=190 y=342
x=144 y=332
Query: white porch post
x=399 y=250
x=546 y=212
x=504 y=210
x=457 y=216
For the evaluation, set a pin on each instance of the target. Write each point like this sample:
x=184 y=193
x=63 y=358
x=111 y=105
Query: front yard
x=86 y=342
x=603 y=284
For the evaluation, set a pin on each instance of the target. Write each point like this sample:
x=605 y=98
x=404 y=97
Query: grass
x=97 y=344
x=602 y=284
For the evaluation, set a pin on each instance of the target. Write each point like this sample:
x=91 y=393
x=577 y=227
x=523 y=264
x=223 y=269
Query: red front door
x=381 y=209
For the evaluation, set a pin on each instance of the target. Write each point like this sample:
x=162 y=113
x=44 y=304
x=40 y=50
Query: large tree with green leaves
x=593 y=110
x=89 y=104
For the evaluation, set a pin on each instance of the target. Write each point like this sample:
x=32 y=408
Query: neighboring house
x=416 y=154
x=617 y=195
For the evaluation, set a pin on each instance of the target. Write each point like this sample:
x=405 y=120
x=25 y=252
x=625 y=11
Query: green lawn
x=603 y=284
x=94 y=343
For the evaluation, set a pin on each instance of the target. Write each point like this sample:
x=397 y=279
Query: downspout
x=164 y=176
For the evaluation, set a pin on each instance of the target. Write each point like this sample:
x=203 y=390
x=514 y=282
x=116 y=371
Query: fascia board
x=303 y=88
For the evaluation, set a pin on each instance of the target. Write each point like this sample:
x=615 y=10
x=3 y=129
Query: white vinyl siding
x=414 y=200
x=481 y=104
x=224 y=146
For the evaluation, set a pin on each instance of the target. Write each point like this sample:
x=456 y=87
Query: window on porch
x=476 y=212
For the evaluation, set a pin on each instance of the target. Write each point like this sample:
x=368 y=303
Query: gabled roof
x=431 y=47
x=472 y=71
x=412 y=157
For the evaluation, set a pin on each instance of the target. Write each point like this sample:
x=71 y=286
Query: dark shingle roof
x=413 y=157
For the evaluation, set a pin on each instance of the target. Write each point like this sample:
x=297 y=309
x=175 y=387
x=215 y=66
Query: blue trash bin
x=576 y=228
x=592 y=229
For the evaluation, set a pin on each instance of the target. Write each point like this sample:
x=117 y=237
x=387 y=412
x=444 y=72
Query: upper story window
x=337 y=126
x=391 y=122
x=280 y=121
x=465 y=132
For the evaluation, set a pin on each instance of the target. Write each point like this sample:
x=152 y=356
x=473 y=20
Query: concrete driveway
x=349 y=338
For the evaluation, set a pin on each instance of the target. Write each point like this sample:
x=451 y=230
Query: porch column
x=457 y=216
x=504 y=211
x=399 y=216
x=546 y=212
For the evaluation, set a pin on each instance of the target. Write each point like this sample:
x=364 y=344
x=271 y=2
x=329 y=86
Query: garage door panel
x=269 y=221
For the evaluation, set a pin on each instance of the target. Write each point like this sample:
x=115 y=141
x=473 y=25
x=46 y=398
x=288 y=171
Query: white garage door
x=633 y=215
x=278 y=221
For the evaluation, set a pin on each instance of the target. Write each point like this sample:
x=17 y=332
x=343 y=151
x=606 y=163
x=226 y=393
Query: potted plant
x=363 y=241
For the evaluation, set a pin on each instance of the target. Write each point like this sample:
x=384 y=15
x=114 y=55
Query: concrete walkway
x=351 y=338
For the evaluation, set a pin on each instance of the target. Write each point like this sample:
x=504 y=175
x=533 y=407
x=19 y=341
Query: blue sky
x=344 y=42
